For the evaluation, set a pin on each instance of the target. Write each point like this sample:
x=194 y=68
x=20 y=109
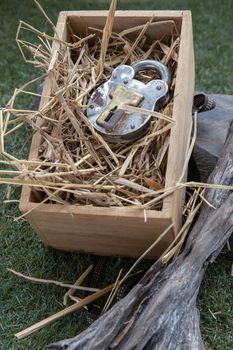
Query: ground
x=23 y=303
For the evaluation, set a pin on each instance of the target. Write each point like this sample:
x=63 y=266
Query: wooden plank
x=100 y=234
x=182 y=111
x=36 y=139
x=80 y=20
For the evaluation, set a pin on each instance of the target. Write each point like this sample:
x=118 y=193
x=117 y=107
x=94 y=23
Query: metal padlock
x=106 y=105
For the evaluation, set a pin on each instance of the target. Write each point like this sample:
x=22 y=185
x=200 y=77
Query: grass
x=23 y=303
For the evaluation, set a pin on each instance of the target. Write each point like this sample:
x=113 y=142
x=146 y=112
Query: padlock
x=106 y=105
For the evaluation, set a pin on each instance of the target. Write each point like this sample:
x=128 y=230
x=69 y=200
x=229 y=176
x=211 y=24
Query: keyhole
x=111 y=112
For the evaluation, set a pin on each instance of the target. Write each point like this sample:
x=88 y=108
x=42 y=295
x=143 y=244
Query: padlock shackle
x=155 y=65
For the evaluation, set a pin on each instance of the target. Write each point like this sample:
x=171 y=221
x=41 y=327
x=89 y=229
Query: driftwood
x=160 y=312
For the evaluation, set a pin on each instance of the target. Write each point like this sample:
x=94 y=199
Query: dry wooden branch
x=160 y=312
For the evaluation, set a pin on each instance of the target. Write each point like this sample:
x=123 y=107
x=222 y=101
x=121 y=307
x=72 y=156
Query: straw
x=71 y=155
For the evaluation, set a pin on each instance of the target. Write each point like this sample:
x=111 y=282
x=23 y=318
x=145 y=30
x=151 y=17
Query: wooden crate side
x=36 y=139
x=100 y=234
x=80 y=20
x=182 y=111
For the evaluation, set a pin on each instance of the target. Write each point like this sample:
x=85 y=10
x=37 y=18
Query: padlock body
x=107 y=114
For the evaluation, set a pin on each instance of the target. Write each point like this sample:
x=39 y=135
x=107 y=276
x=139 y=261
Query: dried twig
x=56 y=283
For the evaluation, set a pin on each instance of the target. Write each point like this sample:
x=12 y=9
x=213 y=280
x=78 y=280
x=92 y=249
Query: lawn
x=23 y=303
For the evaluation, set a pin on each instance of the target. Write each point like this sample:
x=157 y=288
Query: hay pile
x=74 y=164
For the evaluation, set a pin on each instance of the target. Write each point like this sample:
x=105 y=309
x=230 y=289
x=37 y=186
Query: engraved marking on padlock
x=119 y=96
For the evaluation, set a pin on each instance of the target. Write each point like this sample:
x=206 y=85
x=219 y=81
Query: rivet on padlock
x=106 y=105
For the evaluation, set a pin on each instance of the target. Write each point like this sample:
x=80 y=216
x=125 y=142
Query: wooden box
x=121 y=231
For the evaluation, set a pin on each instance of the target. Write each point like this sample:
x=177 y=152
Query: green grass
x=23 y=303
